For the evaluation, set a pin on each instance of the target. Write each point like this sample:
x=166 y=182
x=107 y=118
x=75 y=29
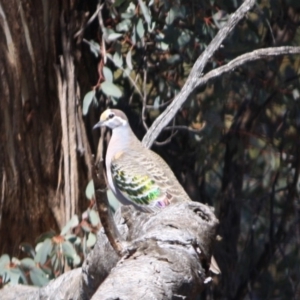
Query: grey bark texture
x=166 y=256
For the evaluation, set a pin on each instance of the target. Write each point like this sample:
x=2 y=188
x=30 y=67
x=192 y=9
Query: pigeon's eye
x=110 y=116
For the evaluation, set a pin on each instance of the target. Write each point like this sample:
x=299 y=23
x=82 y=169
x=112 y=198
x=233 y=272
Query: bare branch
x=196 y=72
x=245 y=58
x=91 y=19
x=185 y=128
x=104 y=211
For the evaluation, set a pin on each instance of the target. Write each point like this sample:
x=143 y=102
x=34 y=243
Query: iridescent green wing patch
x=140 y=189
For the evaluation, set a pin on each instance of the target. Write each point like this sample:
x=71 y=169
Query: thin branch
x=91 y=19
x=104 y=211
x=167 y=141
x=189 y=86
x=160 y=122
x=101 y=24
x=185 y=128
x=144 y=99
x=245 y=58
x=160 y=105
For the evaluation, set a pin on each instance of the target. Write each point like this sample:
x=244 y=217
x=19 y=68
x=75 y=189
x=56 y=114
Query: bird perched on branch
x=135 y=174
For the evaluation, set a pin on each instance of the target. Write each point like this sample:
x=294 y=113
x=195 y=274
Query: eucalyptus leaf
x=43 y=251
x=129 y=60
x=14 y=275
x=174 y=13
x=76 y=260
x=220 y=18
x=118 y=60
x=173 y=59
x=124 y=25
x=110 y=35
x=111 y=89
x=73 y=222
x=85 y=227
x=94 y=47
x=117 y=3
x=68 y=249
x=72 y=238
x=4 y=260
x=113 y=36
x=183 y=39
x=113 y=201
x=140 y=30
x=90 y=190
x=38 y=277
x=87 y=100
x=145 y=11
x=28 y=263
x=156 y=102
x=91 y=241
x=94 y=218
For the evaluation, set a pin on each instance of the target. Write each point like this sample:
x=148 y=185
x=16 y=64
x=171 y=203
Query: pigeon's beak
x=99 y=124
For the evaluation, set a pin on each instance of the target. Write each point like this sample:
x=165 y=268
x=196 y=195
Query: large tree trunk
x=40 y=121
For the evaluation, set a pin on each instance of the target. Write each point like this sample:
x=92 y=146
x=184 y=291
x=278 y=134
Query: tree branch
x=165 y=118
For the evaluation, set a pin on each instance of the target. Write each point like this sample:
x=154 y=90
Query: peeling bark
x=167 y=256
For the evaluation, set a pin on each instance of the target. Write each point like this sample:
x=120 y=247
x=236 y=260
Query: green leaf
x=90 y=190
x=140 y=30
x=111 y=89
x=108 y=75
x=77 y=242
x=110 y=35
x=23 y=278
x=129 y=60
x=85 y=227
x=173 y=59
x=14 y=275
x=43 y=251
x=87 y=100
x=117 y=3
x=113 y=201
x=38 y=277
x=124 y=25
x=68 y=249
x=91 y=241
x=71 y=224
x=183 y=39
x=133 y=35
x=145 y=11
x=4 y=260
x=94 y=47
x=118 y=60
x=94 y=218
x=28 y=263
x=156 y=102
x=72 y=238
x=174 y=13
x=55 y=263
x=220 y=18
x=76 y=260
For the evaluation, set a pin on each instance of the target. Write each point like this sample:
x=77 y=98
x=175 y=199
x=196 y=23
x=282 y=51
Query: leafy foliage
x=53 y=253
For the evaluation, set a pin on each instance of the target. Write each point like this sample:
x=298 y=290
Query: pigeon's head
x=112 y=118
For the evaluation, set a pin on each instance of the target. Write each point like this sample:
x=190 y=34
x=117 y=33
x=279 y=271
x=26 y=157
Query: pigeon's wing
x=145 y=179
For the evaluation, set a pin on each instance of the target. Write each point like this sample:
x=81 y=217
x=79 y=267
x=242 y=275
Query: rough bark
x=38 y=162
x=167 y=256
